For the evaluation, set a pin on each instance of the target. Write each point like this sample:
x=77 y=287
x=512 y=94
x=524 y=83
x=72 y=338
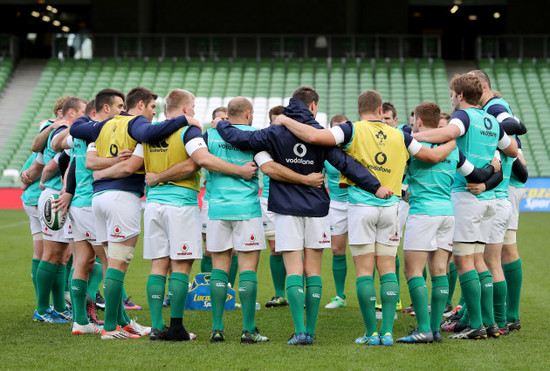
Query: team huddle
x=454 y=182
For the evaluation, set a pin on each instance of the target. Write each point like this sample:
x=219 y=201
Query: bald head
x=240 y=111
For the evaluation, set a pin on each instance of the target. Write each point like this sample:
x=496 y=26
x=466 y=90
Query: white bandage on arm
x=70 y=141
x=92 y=147
x=40 y=158
x=466 y=169
x=120 y=252
x=194 y=144
x=414 y=147
x=504 y=142
x=459 y=124
x=338 y=134
x=364 y=249
x=138 y=151
x=504 y=115
x=262 y=157
x=56 y=158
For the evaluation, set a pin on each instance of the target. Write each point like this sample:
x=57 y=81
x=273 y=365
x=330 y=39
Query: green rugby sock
x=397 y=266
x=114 y=282
x=278 y=274
x=514 y=278
x=339 y=271
x=486 y=282
x=69 y=266
x=469 y=283
x=314 y=290
x=440 y=292
x=34 y=268
x=155 y=295
x=366 y=295
x=248 y=290
x=461 y=301
x=124 y=294
x=178 y=287
x=233 y=271
x=58 y=288
x=96 y=276
x=452 y=276
x=78 y=295
x=465 y=318
x=206 y=264
x=296 y=298
x=218 y=294
x=499 y=302
x=419 y=297
x=388 y=296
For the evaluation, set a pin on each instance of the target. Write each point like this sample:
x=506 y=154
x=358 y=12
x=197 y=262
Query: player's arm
x=85 y=128
x=67 y=193
x=257 y=140
x=458 y=126
x=96 y=162
x=50 y=170
x=357 y=173
x=197 y=149
x=40 y=141
x=57 y=140
x=507 y=144
x=493 y=181
x=181 y=170
x=423 y=153
x=519 y=168
x=511 y=124
x=307 y=133
x=123 y=169
x=283 y=174
x=34 y=171
x=474 y=174
x=142 y=130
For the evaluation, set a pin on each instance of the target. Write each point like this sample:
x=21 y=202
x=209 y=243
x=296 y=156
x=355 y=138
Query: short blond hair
x=178 y=98
x=59 y=102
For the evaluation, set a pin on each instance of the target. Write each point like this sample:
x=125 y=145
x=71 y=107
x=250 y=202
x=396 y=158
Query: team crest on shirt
x=324 y=239
x=117 y=232
x=252 y=241
x=184 y=250
x=381 y=138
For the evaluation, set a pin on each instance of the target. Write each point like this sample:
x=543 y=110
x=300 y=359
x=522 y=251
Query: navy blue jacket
x=139 y=129
x=304 y=158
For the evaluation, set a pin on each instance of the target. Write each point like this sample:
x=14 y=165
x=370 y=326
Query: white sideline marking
x=13 y=224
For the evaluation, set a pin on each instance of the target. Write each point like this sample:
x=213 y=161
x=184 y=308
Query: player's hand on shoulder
x=248 y=170
x=152 y=179
x=215 y=122
x=124 y=155
x=59 y=123
x=315 y=180
x=384 y=193
x=193 y=122
x=280 y=120
x=476 y=188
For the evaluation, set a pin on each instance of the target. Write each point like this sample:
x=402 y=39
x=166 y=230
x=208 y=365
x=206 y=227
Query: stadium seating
x=526 y=86
x=269 y=82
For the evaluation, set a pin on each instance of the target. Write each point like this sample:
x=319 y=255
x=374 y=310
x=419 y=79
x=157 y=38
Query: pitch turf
x=25 y=344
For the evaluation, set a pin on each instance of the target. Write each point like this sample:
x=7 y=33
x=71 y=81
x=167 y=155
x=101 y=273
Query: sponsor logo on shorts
x=87 y=234
x=395 y=238
x=324 y=240
x=117 y=232
x=252 y=241
x=184 y=250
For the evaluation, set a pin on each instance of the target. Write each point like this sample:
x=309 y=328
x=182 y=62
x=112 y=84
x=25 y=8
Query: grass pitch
x=28 y=345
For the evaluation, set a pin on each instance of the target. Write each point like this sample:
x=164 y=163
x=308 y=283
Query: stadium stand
x=269 y=82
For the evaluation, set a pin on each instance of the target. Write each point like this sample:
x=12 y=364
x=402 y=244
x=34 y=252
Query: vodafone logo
x=87 y=234
x=252 y=241
x=300 y=149
x=116 y=229
x=70 y=226
x=117 y=232
x=324 y=240
x=184 y=250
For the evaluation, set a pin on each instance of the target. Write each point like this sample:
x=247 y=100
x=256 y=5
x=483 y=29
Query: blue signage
x=537 y=195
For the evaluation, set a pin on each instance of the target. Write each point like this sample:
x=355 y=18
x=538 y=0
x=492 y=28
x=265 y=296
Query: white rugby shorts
x=370 y=224
x=294 y=233
x=429 y=233
x=242 y=235
x=117 y=216
x=473 y=217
